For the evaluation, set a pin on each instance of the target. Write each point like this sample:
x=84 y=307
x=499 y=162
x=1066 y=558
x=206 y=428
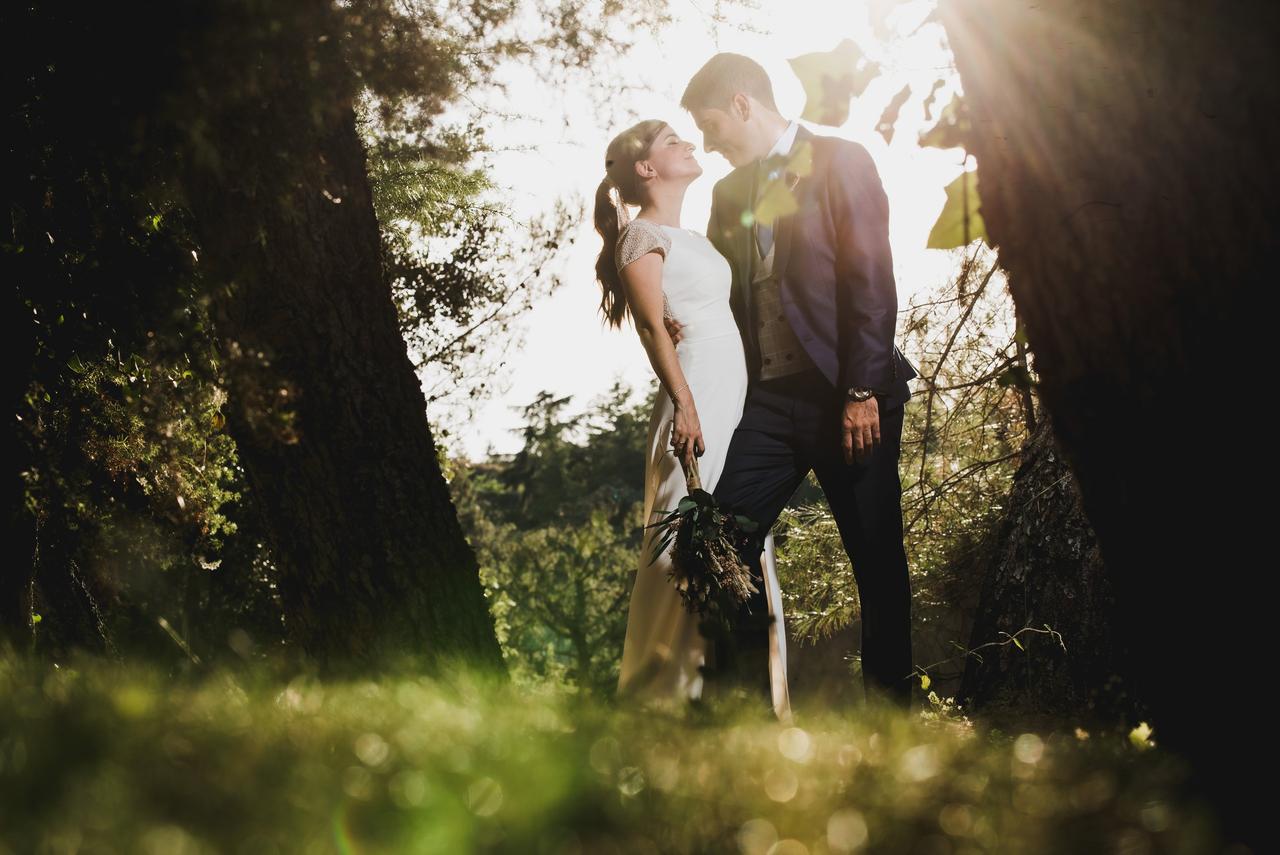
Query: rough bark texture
x=327 y=413
x=1127 y=169
x=1043 y=570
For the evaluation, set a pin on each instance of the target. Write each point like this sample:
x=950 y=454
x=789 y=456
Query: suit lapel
x=782 y=229
x=747 y=233
x=738 y=197
x=782 y=244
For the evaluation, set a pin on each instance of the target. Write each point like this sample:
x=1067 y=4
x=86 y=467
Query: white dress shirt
x=784 y=143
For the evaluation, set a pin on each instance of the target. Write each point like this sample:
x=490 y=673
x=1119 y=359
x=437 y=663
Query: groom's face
x=724 y=132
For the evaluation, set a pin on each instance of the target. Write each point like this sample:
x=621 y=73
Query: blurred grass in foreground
x=98 y=758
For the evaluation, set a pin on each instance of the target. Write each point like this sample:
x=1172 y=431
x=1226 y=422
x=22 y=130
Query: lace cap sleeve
x=637 y=238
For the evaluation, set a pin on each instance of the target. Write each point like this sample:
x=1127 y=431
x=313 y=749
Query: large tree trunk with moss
x=1044 y=633
x=327 y=413
x=1127 y=157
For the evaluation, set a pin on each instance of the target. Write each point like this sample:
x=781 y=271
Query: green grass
x=97 y=758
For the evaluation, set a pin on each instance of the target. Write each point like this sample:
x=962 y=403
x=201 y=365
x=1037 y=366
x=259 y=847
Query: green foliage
x=889 y=118
x=137 y=491
x=820 y=593
x=1017 y=376
x=572 y=464
x=952 y=129
x=559 y=595
x=557 y=531
x=159 y=426
x=961 y=219
x=461 y=269
x=416 y=195
x=131 y=760
x=831 y=79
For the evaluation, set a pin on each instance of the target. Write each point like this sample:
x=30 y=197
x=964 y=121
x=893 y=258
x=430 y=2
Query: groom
x=804 y=223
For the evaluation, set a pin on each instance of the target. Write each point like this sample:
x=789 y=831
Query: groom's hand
x=673 y=329
x=861 y=428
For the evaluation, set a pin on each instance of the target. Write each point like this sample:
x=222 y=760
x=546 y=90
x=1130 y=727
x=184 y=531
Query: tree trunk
x=326 y=410
x=1047 y=576
x=17 y=578
x=66 y=598
x=1127 y=172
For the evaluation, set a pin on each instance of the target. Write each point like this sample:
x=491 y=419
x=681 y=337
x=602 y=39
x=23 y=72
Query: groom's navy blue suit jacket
x=834 y=264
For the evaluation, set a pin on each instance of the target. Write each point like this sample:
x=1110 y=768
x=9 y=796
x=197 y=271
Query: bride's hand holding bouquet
x=686 y=431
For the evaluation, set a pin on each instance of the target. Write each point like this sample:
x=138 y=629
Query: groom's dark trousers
x=790 y=425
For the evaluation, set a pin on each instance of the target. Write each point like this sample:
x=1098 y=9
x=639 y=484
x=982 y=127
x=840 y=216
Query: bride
x=650 y=266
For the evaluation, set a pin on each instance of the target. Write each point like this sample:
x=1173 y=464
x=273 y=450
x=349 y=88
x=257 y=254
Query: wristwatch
x=859 y=393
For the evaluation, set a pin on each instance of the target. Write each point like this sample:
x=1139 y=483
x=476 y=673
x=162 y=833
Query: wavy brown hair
x=624 y=151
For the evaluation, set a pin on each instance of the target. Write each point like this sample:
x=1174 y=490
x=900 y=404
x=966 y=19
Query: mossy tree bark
x=327 y=413
x=1045 y=584
x=1127 y=159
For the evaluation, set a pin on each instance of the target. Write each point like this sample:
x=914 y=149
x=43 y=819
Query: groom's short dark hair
x=723 y=76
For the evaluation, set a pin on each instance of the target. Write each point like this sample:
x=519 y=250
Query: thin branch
x=462 y=335
x=1009 y=639
x=936 y=492
x=946 y=352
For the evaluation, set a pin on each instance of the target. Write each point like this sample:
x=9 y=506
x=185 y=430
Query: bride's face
x=672 y=156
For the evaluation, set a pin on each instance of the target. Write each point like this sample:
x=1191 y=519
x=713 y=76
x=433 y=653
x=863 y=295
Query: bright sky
x=567 y=348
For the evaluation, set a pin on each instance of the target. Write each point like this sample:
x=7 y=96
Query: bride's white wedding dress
x=663 y=650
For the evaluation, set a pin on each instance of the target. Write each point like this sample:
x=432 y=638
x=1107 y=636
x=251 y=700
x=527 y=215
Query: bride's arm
x=642 y=280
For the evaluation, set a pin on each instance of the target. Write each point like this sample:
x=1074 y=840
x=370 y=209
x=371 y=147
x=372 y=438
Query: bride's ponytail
x=619 y=188
x=613 y=301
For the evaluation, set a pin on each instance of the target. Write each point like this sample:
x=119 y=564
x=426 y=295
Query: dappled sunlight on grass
x=99 y=757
